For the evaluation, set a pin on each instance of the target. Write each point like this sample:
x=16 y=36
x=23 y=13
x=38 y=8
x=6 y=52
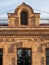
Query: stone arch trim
x=24 y=9
x=23 y=6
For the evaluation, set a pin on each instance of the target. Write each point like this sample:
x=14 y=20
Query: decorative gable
x=23 y=16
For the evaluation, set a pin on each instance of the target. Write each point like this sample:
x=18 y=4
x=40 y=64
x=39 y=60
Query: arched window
x=24 y=18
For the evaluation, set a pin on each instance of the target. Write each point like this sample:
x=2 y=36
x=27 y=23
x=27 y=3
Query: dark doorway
x=24 y=18
x=1 y=56
x=24 y=56
x=47 y=56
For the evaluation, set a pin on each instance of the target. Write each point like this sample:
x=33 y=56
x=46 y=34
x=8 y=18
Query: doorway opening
x=24 y=56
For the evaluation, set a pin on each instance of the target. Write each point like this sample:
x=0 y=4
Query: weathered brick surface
x=10 y=50
x=24 y=37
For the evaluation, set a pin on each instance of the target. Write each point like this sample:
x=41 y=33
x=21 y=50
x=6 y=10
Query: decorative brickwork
x=17 y=36
x=11 y=48
x=14 y=18
x=40 y=48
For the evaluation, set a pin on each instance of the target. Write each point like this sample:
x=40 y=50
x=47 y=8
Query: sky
x=39 y=6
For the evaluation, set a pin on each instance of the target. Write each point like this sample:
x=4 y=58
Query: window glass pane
x=47 y=56
x=24 y=57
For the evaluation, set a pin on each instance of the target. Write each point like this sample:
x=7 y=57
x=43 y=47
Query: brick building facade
x=24 y=41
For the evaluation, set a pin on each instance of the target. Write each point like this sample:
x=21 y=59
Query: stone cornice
x=24 y=32
x=28 y=28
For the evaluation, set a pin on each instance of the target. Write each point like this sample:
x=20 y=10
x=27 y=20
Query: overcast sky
x=7 y=6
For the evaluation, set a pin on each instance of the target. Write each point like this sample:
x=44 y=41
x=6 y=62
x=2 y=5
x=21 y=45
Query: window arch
x=24 y=18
